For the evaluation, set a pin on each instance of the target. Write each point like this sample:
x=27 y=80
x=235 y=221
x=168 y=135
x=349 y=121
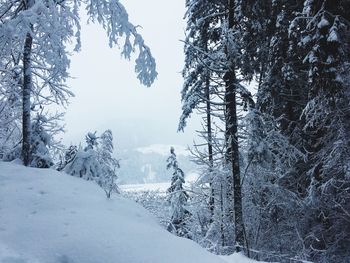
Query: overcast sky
x=108 y=94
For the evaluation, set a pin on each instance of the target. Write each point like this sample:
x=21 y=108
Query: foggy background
x=109 y=96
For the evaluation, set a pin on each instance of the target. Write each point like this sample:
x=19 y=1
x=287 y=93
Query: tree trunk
x=232 y=154
x=210 y=146
x=26 y=93
x=208 y=119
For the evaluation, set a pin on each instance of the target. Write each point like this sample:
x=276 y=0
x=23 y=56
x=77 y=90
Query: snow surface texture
x=51 y=217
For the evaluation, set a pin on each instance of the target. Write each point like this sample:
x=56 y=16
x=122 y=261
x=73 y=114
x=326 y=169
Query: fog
x=109 y=96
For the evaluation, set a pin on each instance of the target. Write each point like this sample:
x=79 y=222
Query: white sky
x=108 y=94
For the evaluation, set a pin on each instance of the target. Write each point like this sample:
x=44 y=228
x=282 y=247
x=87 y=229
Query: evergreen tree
x=201 y=75
x=86 y=164
x=108 y=177
x=234 y=197
x=41 y=141
x=178 y=198
x=212 y=57
x=325 y=42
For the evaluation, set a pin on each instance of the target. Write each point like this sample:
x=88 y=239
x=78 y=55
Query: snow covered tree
x=232 y=85
x=270 y=57
x=95 y=162
x=203 y=31
x=202 y=91
x=220 y=233
x=36 y=33
x=108 y=177
x=178 y=198
x=10 y=113
x=292 y=140
x=299 y=52
x=270 y=207
x=212 y=58
x=68 y=157
x=41 y=142
x=86 y=163
x=91 y=141
x=324 y=28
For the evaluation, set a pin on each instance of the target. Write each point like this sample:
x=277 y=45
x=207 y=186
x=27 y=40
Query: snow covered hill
x=50 y=217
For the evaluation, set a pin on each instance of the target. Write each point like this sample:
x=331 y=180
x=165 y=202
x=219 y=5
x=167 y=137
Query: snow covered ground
x=50 y=217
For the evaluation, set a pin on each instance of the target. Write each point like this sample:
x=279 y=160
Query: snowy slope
x=47 y=217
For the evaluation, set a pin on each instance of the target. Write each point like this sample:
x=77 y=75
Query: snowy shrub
x=40 y=142
x=95 y=162
x=68 y=157
x=9 y=155
x=85 y=165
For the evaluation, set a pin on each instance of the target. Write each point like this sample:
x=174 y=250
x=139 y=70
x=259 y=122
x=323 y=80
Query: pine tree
x=178 y=198
x=270 y=57
x=231 y=130
x=40 y=143
x=108 y=177
x=325 y=41
x=212 y=58
x=200 y=86
x=294 y=142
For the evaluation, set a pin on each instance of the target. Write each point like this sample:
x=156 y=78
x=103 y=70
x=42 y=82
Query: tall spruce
x=325 y=41
x=178 y=198
x=231 y=134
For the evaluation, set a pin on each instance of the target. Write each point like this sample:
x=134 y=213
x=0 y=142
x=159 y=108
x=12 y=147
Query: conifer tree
x=41 y=141
x=325 y=42
x=178 y=198
x=108 y=176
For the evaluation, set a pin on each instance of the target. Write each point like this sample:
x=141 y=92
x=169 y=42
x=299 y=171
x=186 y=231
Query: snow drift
x=51 y=217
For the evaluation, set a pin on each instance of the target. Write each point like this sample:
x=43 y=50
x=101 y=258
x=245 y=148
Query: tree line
x=275 y=159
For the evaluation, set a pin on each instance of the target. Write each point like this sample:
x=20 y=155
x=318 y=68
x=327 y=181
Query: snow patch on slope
x=51 y=217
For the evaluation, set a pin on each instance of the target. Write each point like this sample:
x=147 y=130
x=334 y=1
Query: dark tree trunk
x=208 y=119
x=232 y=154
x=26 y=93
x=222 y=210
x=210 y=145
